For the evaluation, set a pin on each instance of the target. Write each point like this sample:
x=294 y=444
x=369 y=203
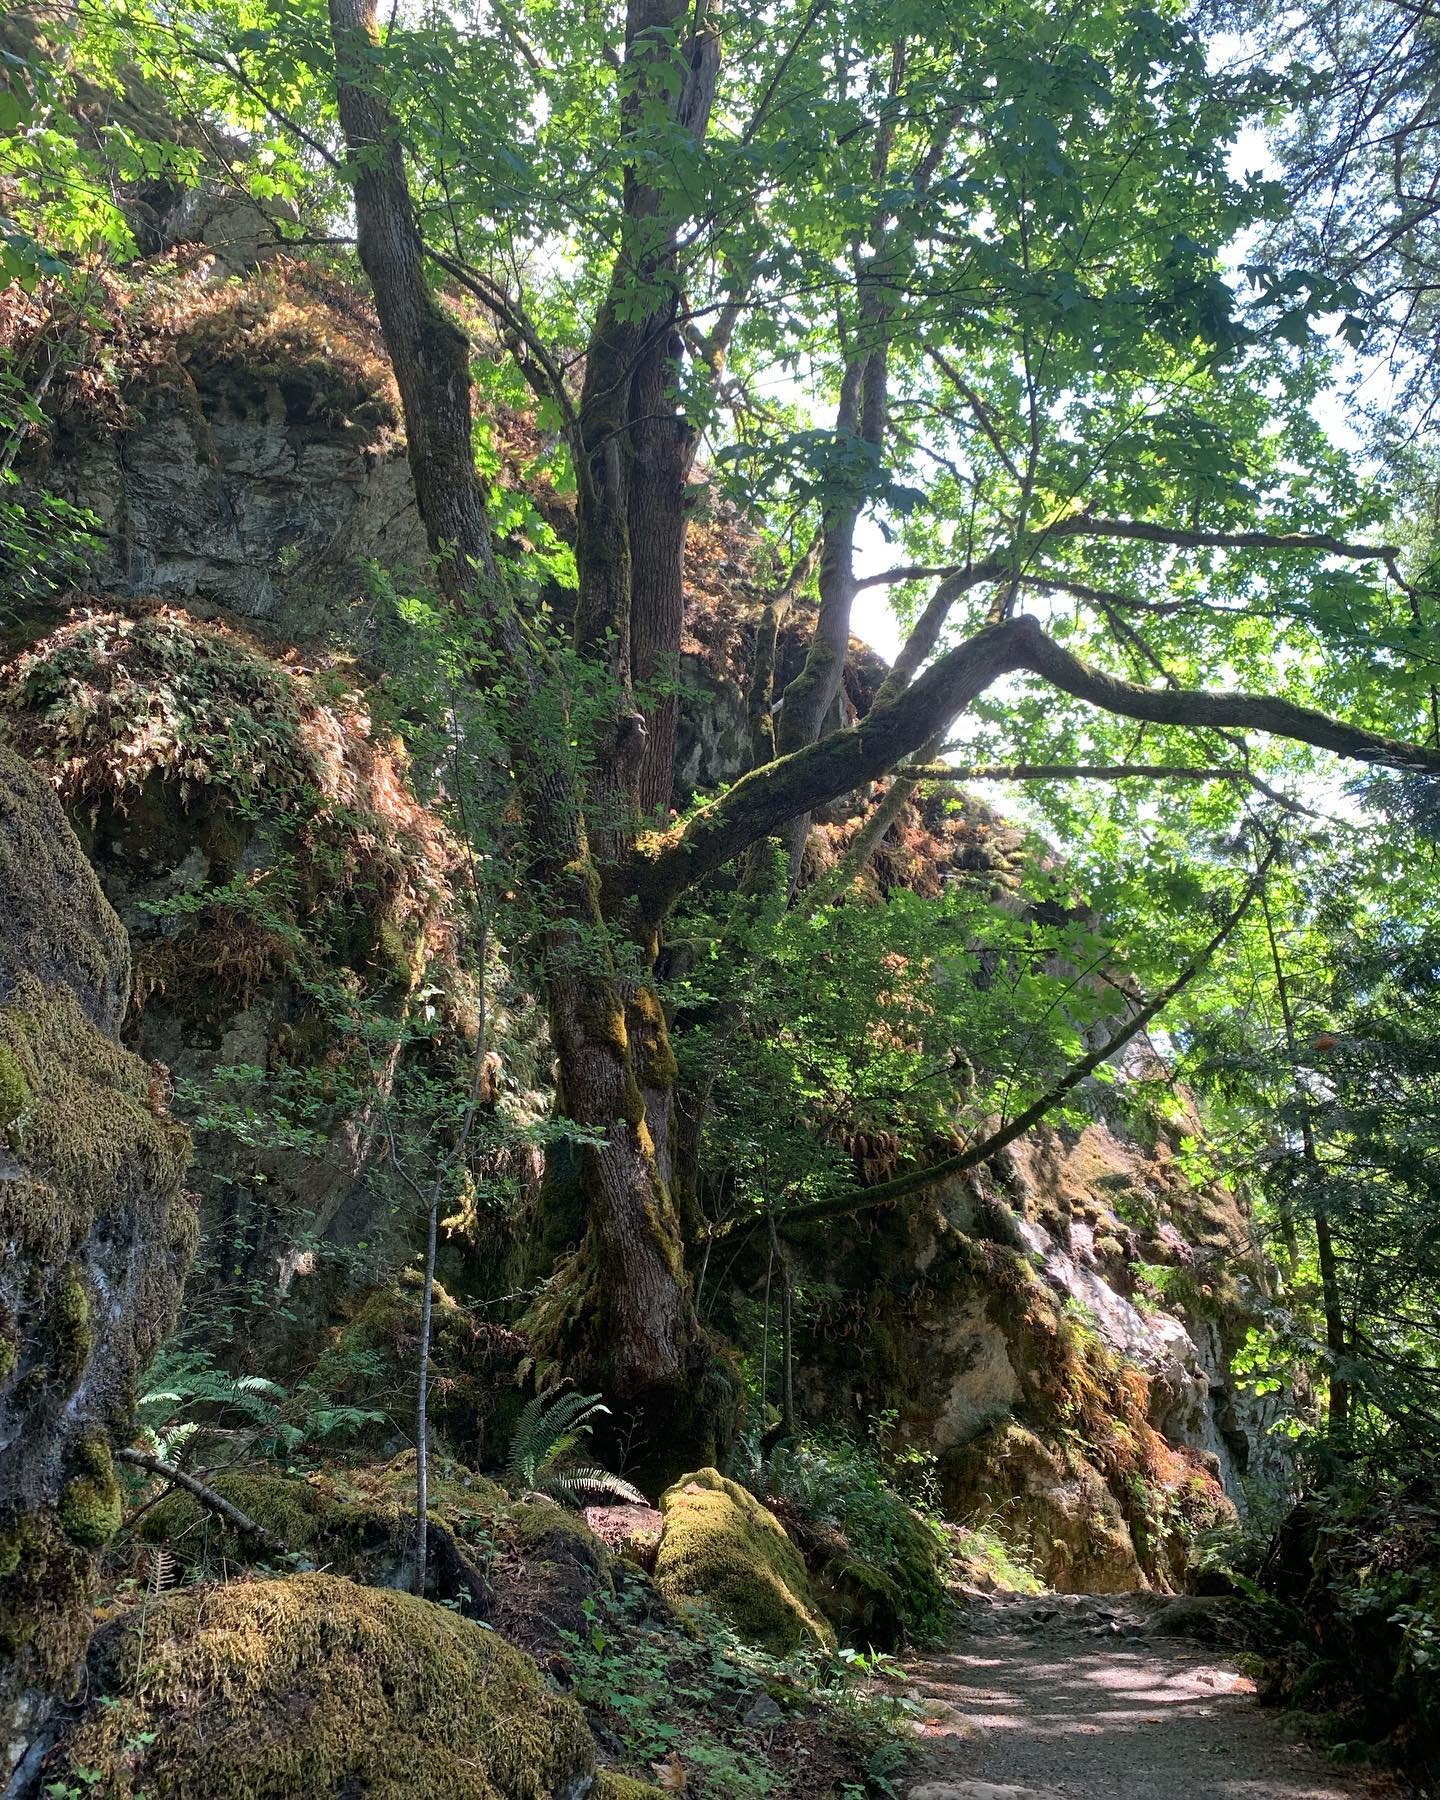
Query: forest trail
x=1079 y=1697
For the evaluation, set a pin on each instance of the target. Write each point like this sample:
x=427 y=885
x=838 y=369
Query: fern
x=164 y=1571
x=189 y=1395
x=547 y=1434
x=574 y=1486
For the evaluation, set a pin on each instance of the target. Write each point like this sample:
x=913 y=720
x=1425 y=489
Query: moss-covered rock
x=56 y=925
x=721 y=1546
x=528 y=1568
x=302 y=1515
x=266 y=1690
x=1052 y=1506
x=612 y=1786
x=262 y=837
x=881 y=1596
x=200 y=740
x=368 y=1365
x=95 y=1238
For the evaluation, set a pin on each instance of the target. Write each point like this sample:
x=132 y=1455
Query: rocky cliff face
x=235 y=440
x=1058 y=1332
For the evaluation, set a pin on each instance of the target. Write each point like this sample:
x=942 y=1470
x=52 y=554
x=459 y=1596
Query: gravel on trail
x=1086 y=1697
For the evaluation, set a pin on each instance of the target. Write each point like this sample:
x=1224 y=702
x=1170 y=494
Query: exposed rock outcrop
x=284 y=890
x=1057 y=1331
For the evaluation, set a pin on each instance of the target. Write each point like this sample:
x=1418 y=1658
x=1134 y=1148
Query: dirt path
x=1084 y=1697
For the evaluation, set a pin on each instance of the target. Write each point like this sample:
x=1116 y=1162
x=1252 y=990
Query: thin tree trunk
x=1335 y=1340
x=765 y=1334
x=787 y=1329
x=422 y=1420
x=658 y=518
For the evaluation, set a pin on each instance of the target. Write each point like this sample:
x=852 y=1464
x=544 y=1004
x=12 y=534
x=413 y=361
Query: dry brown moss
x=192 y=728
x=271 y=1689
x=284 y=321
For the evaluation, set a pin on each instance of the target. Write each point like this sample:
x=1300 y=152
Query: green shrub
x=883 y=1562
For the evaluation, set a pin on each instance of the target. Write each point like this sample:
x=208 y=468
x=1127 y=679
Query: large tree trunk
x=623 y=1308
x=664 y=452
x=637 y=447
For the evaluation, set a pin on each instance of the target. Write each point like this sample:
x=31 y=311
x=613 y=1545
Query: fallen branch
x=207 y=1496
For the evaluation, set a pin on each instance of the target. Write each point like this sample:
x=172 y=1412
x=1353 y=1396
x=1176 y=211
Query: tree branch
x=1142 y=530
x=207 y=1496
x=542 y=373
x=887 y=1192
x=664 y=864
x=1097 y=772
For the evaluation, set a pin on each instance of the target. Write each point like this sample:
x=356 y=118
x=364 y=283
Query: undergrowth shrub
x=723 y=1720
x=884 y=1554
x=1354 y=1574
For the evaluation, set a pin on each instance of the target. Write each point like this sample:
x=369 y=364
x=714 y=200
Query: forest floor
x=1082 y=1696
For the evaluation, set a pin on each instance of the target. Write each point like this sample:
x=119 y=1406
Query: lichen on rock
x=264 y=1690
x=722 y=1547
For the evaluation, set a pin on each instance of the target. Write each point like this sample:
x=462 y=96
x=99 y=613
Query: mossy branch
x=666 y=865
x=207 y=1496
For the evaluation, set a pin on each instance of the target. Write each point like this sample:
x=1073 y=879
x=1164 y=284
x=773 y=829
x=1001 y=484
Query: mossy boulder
x=881 y=1597
x=722 y=1547
x=56 y=925
x=611 y=1786
x=95 y=1237
x=302 y=1515
x=264 y=1690
x=526 y=1567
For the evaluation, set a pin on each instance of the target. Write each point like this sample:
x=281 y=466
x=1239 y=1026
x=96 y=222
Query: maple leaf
x=670 y=1774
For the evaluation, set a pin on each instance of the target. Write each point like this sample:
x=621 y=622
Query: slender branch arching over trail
x=964 y=772
x=885 y=1193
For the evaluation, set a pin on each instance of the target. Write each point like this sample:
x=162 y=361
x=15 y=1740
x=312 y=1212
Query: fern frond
x=164 y=1570
x=574 y=1485
x=549 y=1427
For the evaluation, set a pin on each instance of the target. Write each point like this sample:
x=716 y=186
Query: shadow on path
x=1071 y=1696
